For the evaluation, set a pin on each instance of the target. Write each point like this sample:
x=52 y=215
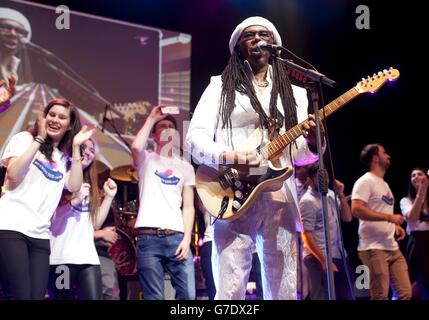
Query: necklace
x=263 y=84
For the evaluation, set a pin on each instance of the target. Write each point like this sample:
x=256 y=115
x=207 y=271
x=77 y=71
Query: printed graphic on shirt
x=81 y=207
x=167 y=177
x=49 y=170
x=387 y=198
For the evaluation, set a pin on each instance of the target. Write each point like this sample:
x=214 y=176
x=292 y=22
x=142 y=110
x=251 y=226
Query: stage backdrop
x=98 y=62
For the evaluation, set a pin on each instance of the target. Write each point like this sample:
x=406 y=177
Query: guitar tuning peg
x=363 y=79
x=391 y=68
x=380 y=73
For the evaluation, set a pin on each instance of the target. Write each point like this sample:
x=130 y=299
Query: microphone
x=104 y=118
x=273 y=48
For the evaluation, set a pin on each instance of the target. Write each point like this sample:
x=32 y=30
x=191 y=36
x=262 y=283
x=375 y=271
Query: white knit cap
x=11 y=14
x=253 y=21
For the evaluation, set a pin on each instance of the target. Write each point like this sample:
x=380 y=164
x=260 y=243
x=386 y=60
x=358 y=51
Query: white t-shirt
x=312 y=220
x=29 y=207
x=72 y=237
x=161 y=182
x=406 y=205
x=376 y=193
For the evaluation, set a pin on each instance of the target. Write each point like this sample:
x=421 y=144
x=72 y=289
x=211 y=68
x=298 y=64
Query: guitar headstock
x=372 y=84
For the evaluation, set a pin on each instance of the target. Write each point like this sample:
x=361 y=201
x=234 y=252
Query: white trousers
x=271 y=225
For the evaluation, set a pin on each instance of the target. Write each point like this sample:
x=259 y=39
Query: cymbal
x=124 y=173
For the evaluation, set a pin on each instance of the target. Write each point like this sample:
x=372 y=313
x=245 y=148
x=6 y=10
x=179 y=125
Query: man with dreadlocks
x=253 y=93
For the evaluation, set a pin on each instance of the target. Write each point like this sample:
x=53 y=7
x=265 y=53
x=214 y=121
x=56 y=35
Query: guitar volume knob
x=236 y=205
x=238 y=194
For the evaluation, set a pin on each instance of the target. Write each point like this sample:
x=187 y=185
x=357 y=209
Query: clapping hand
x=84 y=134
x=41 y=123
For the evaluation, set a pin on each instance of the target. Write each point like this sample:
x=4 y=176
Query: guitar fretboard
x=277 y=145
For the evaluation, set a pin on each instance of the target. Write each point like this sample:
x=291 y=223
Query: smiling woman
x=72 y=226
x=37 y=170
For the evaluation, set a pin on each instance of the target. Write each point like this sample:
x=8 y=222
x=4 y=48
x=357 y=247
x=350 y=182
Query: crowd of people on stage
x=53 y=209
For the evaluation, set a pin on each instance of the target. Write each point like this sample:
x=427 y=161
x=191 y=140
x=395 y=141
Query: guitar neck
x=277 y=145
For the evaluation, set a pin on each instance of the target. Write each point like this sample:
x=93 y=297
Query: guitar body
x=228 y=193
x=232 y=201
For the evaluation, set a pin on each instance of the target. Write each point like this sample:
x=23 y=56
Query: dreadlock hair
x=235 y=78
x=66 y=141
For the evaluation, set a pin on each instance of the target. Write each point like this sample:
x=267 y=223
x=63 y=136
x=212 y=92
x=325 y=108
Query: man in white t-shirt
x=166 y=213
x=373 y=203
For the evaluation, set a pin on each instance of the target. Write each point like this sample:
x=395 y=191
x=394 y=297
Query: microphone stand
x=317 y=80
x=109 y=121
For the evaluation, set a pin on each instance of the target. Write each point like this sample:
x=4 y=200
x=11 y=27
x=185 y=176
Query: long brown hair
x=90 y=176
x=66 y=142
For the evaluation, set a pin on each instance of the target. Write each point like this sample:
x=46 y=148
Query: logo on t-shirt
x=81 y=207
x=167 y=177
x=49 y=170
x=387 y=198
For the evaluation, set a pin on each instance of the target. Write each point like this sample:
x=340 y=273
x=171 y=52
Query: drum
x=127 y=216
x=123 y=254
x=125 y=220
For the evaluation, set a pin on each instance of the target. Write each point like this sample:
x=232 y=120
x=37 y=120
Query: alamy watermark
x=362 y=21
x=63 y=20
x=362 y=278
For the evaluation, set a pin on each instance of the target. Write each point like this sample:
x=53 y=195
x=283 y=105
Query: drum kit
x=125 y=209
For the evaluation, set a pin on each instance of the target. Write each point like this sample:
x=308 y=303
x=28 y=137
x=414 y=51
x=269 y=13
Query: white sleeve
x=406 y=204
x=16 y=146
x=189 y=176
x=362 y=190
x=201 y=132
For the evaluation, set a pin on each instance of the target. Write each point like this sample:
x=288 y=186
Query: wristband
x=39 y=139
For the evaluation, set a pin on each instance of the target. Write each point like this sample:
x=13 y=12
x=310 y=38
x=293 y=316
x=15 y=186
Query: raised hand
x=9 y=91
x=110 y=188
x=41 y=123
x=156 y=114
x=84 y=134
x=82 y=194
x=423 y=185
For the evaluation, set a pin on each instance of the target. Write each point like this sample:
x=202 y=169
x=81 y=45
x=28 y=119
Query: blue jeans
x=156 y=255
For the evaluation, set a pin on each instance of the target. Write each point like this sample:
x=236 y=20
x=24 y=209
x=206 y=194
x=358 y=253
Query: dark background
x=324 y=33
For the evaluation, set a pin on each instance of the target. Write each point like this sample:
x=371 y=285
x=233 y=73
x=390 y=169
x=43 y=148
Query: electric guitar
x=228 y=192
